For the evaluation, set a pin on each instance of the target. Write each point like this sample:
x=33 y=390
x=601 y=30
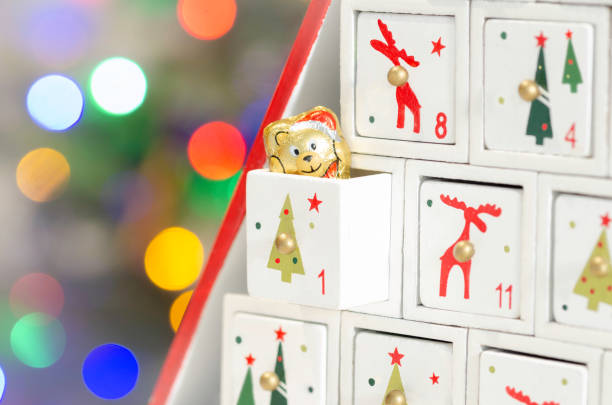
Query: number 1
x=322 y=277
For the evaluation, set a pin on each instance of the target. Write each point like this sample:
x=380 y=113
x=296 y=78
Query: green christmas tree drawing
x=538 y=124
x=279 y=395
x=395 y=381
x=290 y=263
x=246 y=393
x=597 y=287
x=571 y=72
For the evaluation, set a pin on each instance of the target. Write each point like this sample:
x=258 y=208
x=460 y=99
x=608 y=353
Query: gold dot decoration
x=311 y=225
x=501 y=100
x=492 y=370
x=572 y=224
x=303 y=348
x=507 y=249
x=564 y=381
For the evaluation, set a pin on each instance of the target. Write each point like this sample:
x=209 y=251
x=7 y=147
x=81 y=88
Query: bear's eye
x=313 y=146
x=294 y=151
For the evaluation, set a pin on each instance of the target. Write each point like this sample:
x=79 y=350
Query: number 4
x=571 y=135
x=500 y=288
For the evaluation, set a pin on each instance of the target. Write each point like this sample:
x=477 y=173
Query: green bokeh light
x=38 y=340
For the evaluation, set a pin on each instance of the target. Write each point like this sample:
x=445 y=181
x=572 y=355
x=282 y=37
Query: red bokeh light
x=216 y=150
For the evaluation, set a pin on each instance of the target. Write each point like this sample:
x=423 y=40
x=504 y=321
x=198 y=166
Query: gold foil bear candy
x=309 y=144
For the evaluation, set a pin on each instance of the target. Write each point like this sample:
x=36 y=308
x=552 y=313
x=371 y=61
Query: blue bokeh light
x=55 y=102
x=110 y=371
x=2 y=383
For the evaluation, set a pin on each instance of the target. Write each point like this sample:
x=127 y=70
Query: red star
x=396 y=357
x=250 y=360
x=314 y=203
x=605 y=220
x=437 y=46
x=280 y=334
x=434 y=378
x=541 y=39
x=568 y=34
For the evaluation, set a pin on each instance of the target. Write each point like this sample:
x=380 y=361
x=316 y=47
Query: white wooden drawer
x=426 y=363
x=606 y=381
x=510 y=369
x=392 y=306
x=341 y=230
x=509 y=378
x=426 y=116
x=562 y=50
x=298 y=345
x=575 y=303
x=492 y=210
x=488 y=217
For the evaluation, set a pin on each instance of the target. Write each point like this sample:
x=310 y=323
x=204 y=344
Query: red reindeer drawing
x=448 y=259
x=404 y=94
x=523 y=398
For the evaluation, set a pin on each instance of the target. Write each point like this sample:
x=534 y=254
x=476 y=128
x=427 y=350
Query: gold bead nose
x=285 y=243
x=463 y=251
x=397 y=76
x=269 y=381
x=395 y=397
x=599 y=266
x=528 y=90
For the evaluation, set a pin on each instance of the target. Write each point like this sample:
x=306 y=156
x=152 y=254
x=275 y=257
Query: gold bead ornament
x=528 y=90
x=599 y=267
x=285 y=243
x=397 y=76
x=395 y=397
x=269 y=381
x=463 y=251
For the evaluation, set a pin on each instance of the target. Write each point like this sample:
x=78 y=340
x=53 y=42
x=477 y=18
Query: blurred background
x=123 y=130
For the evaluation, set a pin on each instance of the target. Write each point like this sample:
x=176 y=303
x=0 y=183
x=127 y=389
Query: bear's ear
x=276 y=134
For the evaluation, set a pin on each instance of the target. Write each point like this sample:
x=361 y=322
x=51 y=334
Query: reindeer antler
x=453 y=203
x=389 y=49
x=490 y=209
x=387 y=35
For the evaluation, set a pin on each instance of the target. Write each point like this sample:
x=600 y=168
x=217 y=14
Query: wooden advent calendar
x=467 y=260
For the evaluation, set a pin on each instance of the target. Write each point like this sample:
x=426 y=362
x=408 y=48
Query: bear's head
x=309 y=143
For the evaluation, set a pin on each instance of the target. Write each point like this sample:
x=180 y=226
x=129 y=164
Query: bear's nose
x=308 y=158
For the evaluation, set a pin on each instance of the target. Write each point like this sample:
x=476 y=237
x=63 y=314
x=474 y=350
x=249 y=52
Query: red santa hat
x=319 y=120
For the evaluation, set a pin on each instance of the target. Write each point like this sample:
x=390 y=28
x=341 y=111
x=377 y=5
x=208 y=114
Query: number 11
x=500 y=288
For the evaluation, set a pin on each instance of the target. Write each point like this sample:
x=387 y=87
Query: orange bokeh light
x=206 y=19
x=216 y=150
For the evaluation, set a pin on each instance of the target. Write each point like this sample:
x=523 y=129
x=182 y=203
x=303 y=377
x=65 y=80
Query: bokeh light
x=118 y=85
x=55 y=102
x=128 y=196
x=206 y=19
x=2 y=383
x=42 y=174
x=57 y=33
x=216 y=150
x=177 y=310
x=110 y=371
x=251 y=118
x=174 y=258
x=38 y=340
x=37 y=292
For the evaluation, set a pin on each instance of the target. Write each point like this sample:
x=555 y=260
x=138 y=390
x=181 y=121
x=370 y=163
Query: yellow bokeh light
x=177 y=310
x=42 y=174
x=174 y=258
